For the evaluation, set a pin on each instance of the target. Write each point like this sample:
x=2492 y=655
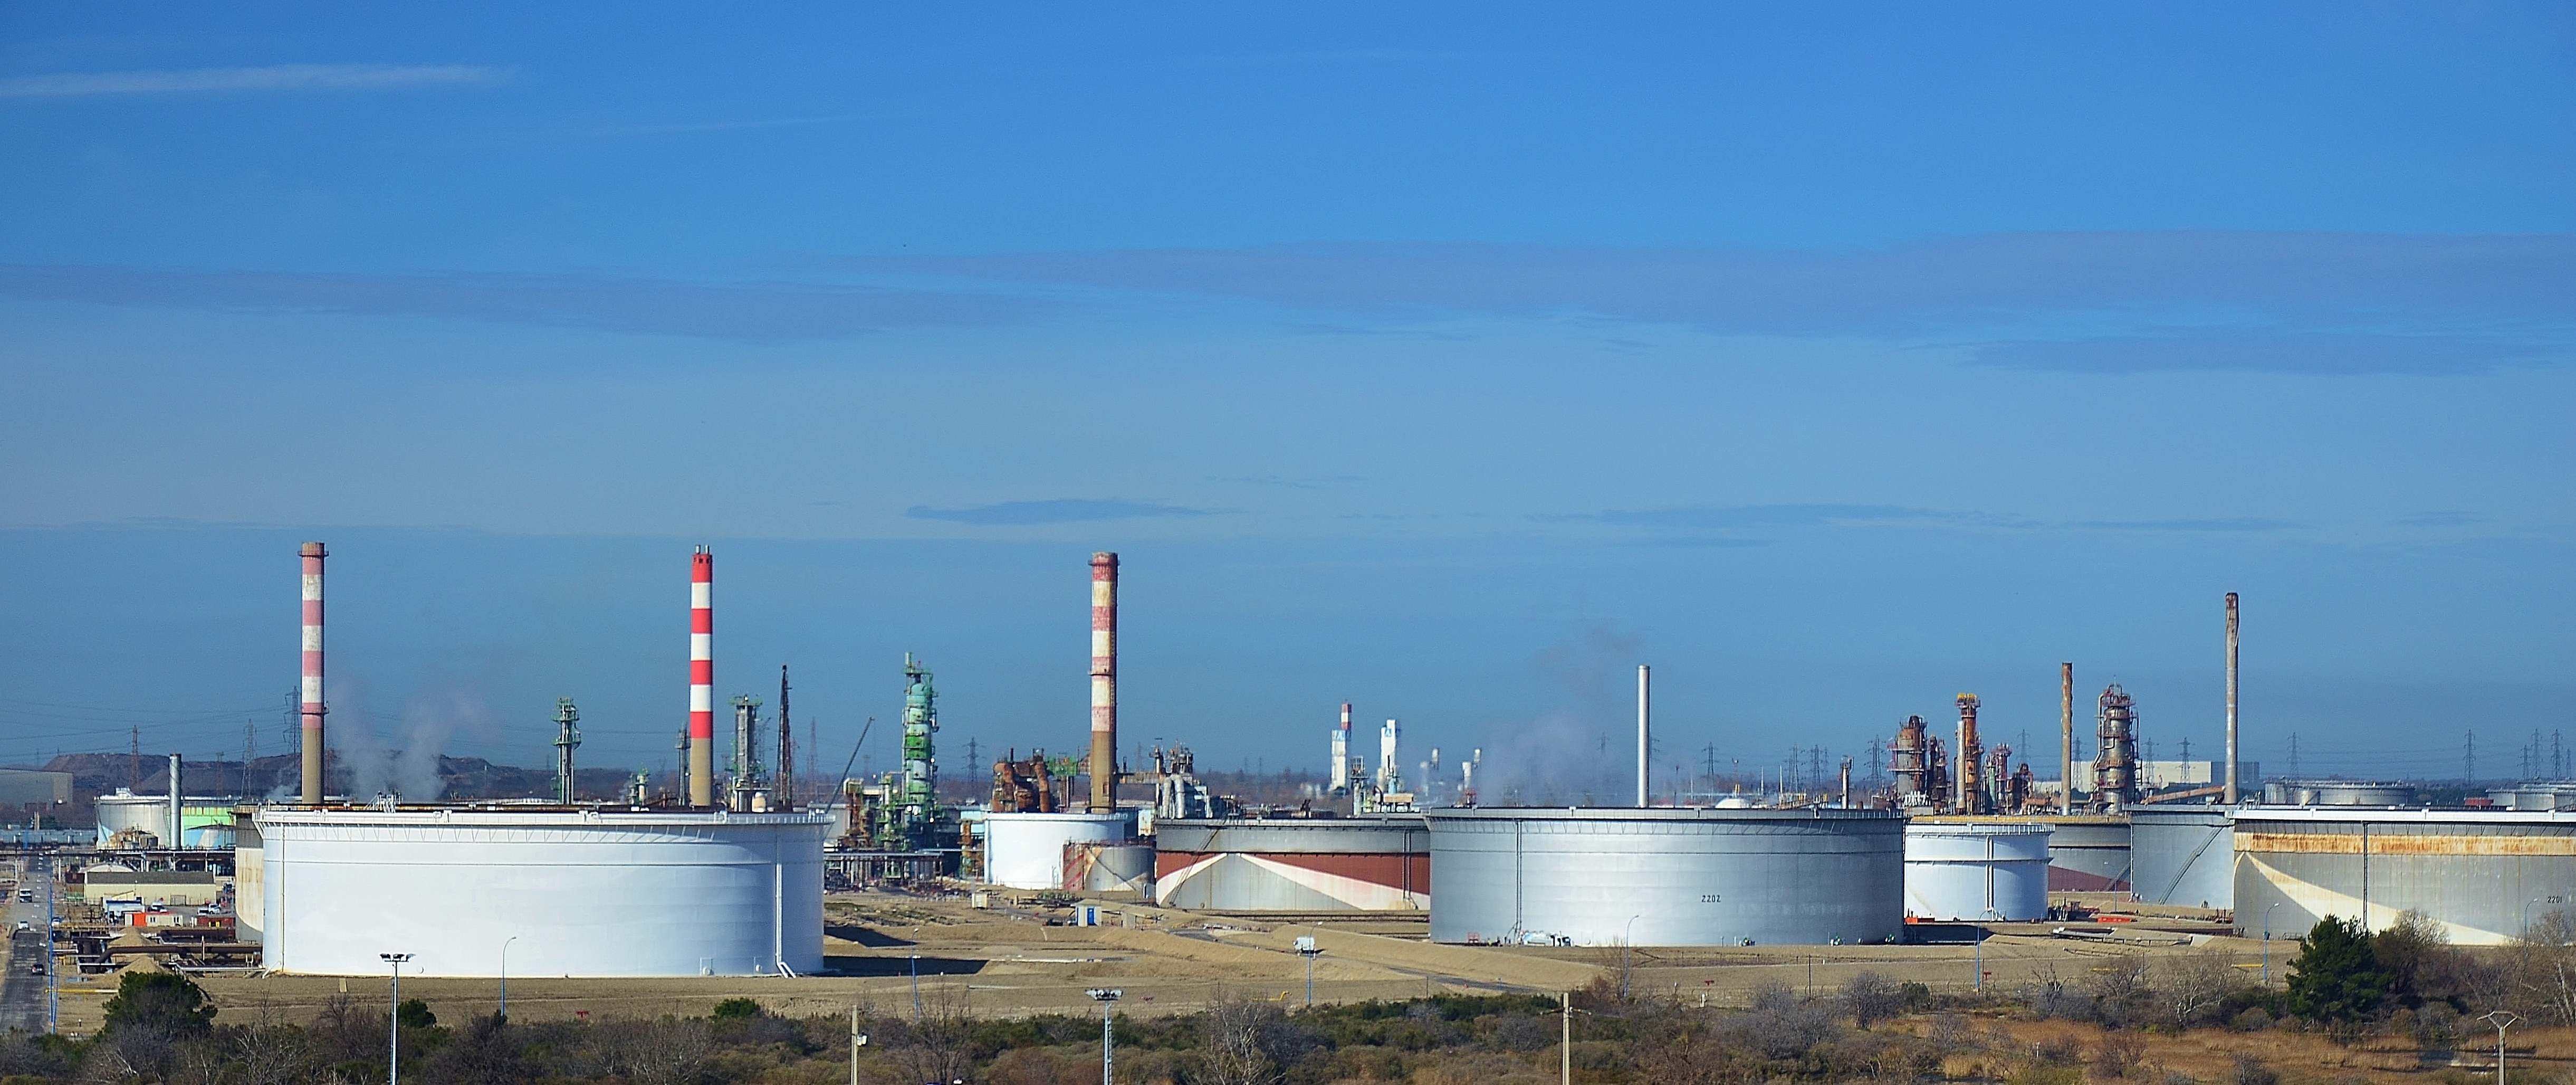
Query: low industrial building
x=176 y=888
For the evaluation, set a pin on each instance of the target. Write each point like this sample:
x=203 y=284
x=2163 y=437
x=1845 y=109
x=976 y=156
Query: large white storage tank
x=1976 y=870
x=1598 y=876
x=1026 y=851
x=2183 y=855
x=571 y=892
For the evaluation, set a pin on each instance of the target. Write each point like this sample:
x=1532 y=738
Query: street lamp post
x=857 y=1040
x=2502 y=1019
x=1627 y=943
x=2526 y=912
x=393 y=1058
x=1306 y=948
x=505 y=976
x=2267 y=940
x=1107 y=997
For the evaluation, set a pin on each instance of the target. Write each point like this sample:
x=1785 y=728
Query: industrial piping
x=1104 y=683
x=2231 y=795
x=1645 y=738
x=313 y=553
x=702 y=678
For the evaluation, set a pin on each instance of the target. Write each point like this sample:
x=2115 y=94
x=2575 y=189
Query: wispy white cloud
x=272 y=77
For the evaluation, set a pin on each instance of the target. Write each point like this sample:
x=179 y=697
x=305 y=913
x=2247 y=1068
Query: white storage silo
x=1976 y=870
x=1026 y=851
x=591 y=892
x=1601 y=876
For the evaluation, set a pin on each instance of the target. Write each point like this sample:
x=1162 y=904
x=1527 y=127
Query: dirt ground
x=2210 y=1055
x=1009 y=960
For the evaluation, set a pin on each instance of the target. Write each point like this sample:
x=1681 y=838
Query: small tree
x=2336 y=976
x=166 y=1002
x=737 y=1008
x=1869 y=998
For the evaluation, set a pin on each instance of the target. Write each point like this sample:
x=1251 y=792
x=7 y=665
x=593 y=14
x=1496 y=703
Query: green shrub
x=166 y=1001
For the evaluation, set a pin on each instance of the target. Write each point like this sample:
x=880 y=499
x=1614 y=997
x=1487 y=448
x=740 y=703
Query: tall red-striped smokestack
x=1104 y=683
x=702 y=677
x=313 y=553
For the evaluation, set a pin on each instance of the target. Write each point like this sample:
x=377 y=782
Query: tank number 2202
x=1708 y=898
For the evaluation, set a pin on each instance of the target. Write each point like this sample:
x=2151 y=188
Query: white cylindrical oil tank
x=1667 y=877
x=2182 y=855
x=127 y=810
x=1976 y=870
x=570 y=892
x=1110 y=868
x=1026 y=851
x=2479 y=875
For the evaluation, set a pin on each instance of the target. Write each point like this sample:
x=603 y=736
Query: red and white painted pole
x=313 y=553
x=1104 y=683
x=702 y=677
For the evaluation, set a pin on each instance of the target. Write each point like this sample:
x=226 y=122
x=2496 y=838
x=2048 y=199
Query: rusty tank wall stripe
x=2405 y=844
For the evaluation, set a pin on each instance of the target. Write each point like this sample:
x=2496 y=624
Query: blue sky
x=1451 y=361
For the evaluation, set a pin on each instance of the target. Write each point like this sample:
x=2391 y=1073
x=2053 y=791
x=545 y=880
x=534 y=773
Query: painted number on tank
x=1708 y=898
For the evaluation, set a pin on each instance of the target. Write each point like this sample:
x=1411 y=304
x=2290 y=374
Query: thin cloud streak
x=2277 y=301
x=1695 y=523
x=749 y=312
x=1058 y=511
x=270 y=78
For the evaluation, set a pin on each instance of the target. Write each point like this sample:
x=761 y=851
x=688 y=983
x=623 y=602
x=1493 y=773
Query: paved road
x=22 y=994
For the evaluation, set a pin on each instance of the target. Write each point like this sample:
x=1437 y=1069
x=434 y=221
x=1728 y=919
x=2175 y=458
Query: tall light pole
x=2502 y=1020
x=505 y=976
x=1565 y=1046
x=53 y=992
x=393 y=1060
x=2267 y=940
x=1306 y=948
x=1107 y=997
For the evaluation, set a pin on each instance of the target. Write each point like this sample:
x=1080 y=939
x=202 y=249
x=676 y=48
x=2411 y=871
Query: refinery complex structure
x=724 y=871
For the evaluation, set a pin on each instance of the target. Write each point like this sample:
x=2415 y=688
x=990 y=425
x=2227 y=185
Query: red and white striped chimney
x=313 y=553
x=702 y=677
x=1104 y=683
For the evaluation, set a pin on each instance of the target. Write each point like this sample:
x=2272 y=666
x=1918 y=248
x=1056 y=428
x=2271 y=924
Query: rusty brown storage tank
x=1668 y=877
x=1293 y=864
x=2477 y=873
